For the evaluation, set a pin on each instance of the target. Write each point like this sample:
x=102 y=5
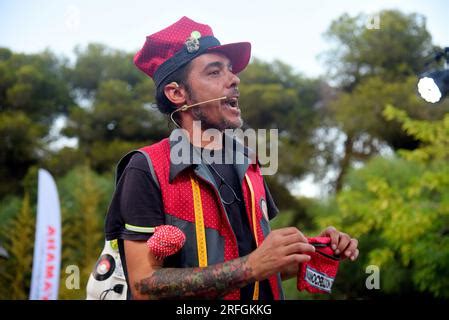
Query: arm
x=148 y=280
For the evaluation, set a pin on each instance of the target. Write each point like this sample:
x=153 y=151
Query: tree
x=34 y=84
x=19 y=137
x=398 y=208
x=374 y=67
x=33 y=92
x=84 y=200
x=98 y=63
x=118 y=122
x=394 y=51
x=273 y=96
x=116 y=114
x=19 y=233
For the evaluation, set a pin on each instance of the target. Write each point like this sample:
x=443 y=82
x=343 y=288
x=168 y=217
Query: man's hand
x=283 y=249
x=342 y=243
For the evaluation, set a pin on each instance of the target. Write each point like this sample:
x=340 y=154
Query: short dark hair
x=180 y=76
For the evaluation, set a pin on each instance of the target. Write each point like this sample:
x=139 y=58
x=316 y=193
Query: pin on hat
x=166 y=51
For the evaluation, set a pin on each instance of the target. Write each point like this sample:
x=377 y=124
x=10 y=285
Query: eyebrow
x=216 y=64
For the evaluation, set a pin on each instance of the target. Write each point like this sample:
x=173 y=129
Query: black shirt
x=137 y=201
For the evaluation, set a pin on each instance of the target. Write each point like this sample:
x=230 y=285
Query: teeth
x=232 y=101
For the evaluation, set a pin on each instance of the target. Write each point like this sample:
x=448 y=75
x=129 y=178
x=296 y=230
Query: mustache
x=235 y=92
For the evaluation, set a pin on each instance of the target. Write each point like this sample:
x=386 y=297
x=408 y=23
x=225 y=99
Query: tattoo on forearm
x=209 y=282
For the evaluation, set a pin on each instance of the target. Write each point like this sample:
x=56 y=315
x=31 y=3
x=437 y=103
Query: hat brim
x=238 y=53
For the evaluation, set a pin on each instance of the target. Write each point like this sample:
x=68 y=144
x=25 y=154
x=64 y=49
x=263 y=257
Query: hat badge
x=192 y=43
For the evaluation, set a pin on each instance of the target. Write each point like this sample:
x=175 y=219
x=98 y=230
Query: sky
x=288 y=30
x=291 y=31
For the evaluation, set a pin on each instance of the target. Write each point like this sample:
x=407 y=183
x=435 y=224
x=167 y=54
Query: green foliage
x=34 y=84
x=120 y=117
x=116 y=114
x=373 y=68
x=98 y=63
x=60 y=162
x=107 y=154
x=20 y=149
x=19 y=235
x=274 y=96
x=433 y=135
x=394 y=51
x=361 y=111
x=398 y=208
x=9 y=207
x=84 y=199
x=33 y=92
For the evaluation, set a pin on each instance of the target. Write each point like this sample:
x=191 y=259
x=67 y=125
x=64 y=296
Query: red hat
x=173 y=47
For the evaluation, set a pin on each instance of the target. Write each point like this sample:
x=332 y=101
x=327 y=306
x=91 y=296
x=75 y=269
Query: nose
x=234 y=80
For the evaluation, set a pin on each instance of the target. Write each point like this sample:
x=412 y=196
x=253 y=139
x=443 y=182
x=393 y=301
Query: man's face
x=211 y=77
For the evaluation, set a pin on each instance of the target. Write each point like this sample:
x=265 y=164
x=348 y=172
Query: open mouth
x=232 y=103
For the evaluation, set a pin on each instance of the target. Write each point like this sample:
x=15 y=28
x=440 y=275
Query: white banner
x=47 y=244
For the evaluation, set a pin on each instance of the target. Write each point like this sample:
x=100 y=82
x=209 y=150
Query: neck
x=208 y=139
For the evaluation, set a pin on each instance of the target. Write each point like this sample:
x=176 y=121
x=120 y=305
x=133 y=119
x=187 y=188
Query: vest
x=192 y=203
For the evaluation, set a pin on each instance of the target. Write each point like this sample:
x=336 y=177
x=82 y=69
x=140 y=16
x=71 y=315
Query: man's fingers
x=291 y=230
x=355 y=255
x=343 y=242
x=287 y=234
x=299 y=247
x=350 y=249
x=297 y=258
x=294 y=238
x=286 y=231
x=333 y=234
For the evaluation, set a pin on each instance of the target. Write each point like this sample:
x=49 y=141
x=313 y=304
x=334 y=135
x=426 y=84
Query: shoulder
x=136 y=159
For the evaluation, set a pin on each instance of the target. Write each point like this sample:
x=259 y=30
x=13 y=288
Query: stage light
x=434 y=86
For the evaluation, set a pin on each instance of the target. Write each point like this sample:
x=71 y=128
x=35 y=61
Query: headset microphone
x=186 y=107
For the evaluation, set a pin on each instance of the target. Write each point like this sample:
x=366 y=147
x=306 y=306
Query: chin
x=234 y=124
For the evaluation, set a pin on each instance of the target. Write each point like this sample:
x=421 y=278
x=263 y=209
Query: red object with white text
x=166 y=241
x=318 y=274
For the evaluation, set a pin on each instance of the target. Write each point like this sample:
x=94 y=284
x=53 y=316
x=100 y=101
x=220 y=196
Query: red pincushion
x=166 y=240
x=318 y=274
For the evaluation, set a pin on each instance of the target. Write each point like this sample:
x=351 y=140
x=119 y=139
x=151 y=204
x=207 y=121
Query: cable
x=118 y=288
x=105 y=293
x=186 y=107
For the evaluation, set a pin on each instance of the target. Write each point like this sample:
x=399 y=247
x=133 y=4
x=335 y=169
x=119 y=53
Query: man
x=222 y=208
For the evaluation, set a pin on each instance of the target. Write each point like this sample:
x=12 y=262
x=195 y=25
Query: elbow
x=138 y=296
x=137 y=293
x=142 y=289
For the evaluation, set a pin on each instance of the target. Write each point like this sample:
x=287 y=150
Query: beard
x=200 y=114
x=206 y=123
